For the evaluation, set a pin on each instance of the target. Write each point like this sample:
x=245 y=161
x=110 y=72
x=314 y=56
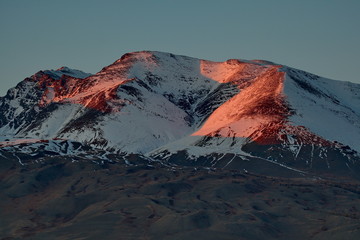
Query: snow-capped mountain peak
x=174 y=107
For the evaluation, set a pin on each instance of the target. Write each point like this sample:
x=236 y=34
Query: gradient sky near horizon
x=319 y=36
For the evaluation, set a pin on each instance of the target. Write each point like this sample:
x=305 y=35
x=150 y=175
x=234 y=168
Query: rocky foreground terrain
x=61 y=199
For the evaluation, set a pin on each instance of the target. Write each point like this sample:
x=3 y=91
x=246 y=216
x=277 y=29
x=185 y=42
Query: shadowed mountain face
x=161 y=146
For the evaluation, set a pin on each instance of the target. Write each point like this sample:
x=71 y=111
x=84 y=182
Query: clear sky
x=319 y=36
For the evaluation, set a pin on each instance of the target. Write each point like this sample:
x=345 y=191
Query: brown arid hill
x=63 y=200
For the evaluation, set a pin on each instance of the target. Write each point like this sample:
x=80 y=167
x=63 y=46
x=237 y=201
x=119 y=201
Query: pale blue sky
x=319 y=36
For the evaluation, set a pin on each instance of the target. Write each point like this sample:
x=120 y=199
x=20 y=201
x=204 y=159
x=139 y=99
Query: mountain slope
x=236 y=114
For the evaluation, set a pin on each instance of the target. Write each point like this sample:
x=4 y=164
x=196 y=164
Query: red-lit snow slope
x=168 y=106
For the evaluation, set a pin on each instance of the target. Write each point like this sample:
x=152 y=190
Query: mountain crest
x=177 y=107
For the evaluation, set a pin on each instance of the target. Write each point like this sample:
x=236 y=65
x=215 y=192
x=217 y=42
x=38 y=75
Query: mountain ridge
x=171 y=107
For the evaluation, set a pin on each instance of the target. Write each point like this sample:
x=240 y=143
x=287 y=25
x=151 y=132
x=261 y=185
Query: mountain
x=161 y=146
x=255 y=116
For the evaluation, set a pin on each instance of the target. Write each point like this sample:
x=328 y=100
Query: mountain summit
x=238 y=114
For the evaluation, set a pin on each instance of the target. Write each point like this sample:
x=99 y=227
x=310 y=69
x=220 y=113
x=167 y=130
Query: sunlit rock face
x=185 y=110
